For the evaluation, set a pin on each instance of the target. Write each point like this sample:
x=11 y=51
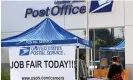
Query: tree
x=103 y=37
x=117 y=40
x=100 y=42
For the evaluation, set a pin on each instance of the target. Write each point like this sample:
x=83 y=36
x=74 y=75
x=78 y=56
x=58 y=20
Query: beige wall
x=17 y=22
x=129 y=50
x=129 y=31
x=129 y=13
x=13 y=16
x=129 y=44
x=108 y=19
x=129 y=37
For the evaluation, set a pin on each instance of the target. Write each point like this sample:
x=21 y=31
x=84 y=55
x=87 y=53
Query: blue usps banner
x=98 y=6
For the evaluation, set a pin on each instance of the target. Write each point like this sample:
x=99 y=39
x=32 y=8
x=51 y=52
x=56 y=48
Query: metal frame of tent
x=45 y=31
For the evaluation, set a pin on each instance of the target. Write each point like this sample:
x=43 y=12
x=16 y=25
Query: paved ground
x=96 y=79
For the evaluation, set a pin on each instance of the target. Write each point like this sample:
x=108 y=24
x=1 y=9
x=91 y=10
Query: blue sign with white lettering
x=98 y=6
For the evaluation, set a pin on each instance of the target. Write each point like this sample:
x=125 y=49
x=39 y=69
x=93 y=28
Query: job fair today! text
x=43 y=64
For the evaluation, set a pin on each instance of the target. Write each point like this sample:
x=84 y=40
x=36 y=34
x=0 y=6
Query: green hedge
x=5 y=74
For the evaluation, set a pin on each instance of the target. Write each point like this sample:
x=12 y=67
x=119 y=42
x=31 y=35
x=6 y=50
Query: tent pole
x=117 y=53
x=88 y=60
x=77 y=62
x=91 y=62
x=99 y=57
x=94 y=48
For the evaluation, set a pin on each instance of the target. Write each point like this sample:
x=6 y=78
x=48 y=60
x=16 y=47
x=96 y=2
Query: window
x=78 y=32
x=106 y=37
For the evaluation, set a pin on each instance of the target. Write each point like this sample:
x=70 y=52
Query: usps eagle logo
x=24 y=51
x=98 y=6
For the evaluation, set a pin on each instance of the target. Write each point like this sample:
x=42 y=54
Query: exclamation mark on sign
x=69 y=64
x=72 y=63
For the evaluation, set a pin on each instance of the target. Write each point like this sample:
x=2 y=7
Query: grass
x=5 y=74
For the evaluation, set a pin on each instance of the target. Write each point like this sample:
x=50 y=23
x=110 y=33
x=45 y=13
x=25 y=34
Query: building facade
x=18 y=16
